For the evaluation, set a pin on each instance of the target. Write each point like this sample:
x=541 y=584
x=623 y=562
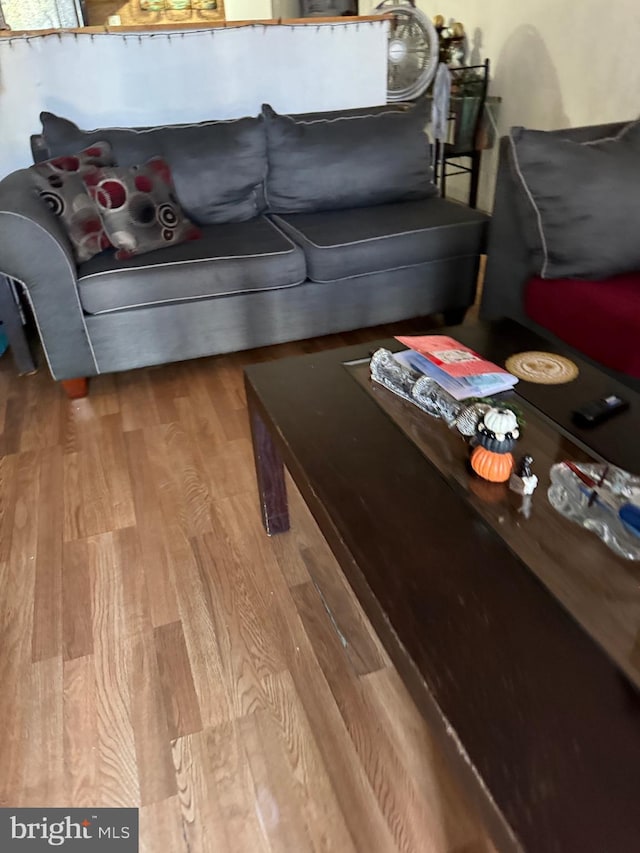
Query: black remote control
x=594 y=413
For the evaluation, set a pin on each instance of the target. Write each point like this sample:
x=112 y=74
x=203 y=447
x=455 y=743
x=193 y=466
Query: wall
x=130 y=12
x=249 y=10
x=44 y=14
x=555 y=63
x=285 y=8
x=184 y=77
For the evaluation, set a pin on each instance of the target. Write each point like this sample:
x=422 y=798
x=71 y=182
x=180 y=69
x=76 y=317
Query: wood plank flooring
x=158 y=650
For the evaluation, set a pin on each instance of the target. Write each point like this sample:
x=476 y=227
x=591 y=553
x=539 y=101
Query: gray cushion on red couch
x=347 y=161
x=579 y=201
x=59 y=182
x=218 y=167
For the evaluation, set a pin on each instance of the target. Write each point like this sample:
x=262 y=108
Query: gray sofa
x=310 y=225
x=562 y=257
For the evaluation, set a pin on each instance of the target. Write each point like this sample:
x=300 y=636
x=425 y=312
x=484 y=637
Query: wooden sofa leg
x=76 y=388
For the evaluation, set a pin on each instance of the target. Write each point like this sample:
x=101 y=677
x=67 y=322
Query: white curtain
x=157 y=78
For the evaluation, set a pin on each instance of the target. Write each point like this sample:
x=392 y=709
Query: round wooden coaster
x=545 y=368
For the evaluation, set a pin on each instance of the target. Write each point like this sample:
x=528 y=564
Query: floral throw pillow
x=139 y=208
x=59 y=183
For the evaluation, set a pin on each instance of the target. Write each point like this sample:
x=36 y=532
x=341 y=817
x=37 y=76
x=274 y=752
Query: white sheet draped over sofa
x=170 y=77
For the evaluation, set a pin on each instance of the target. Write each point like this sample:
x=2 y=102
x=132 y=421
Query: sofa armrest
x=509 y=262
x=35 y=252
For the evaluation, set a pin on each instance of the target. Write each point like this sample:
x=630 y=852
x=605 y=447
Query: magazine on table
x=456 y=368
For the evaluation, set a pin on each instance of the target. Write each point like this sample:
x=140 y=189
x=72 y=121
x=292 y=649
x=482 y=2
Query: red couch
x=598 y=316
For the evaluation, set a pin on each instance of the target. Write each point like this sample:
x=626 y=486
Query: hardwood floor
x=157 y=649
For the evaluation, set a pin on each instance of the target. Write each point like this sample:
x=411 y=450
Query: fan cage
x=412 y=52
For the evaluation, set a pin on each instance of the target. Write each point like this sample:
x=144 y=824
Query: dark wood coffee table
x=527 y=666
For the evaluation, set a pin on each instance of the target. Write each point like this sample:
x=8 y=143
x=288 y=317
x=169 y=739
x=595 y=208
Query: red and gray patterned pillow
x=60 y=184
x=139 y=208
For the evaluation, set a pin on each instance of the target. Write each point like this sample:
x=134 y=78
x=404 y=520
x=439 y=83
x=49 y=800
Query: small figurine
x=458 y=50
x=468 y=417
x=451 y=40
x=523 y=481
x=496 y=434
x=524 y=469
x=497 y=430
x=492 y=466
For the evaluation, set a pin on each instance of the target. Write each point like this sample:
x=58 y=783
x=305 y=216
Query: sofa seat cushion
x=346 y=243
x=229 y=258
x=599 y=318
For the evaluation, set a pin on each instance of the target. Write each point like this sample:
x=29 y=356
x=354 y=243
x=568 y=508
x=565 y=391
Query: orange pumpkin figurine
x=495 y=467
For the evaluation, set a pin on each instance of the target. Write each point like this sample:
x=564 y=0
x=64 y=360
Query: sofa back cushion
x=579 y=201
x=342 y=161
x=218 y=167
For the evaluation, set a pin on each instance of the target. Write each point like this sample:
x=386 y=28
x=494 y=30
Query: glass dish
x=574 y=492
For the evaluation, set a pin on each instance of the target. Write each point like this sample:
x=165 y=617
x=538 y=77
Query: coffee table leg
x=270 y=475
